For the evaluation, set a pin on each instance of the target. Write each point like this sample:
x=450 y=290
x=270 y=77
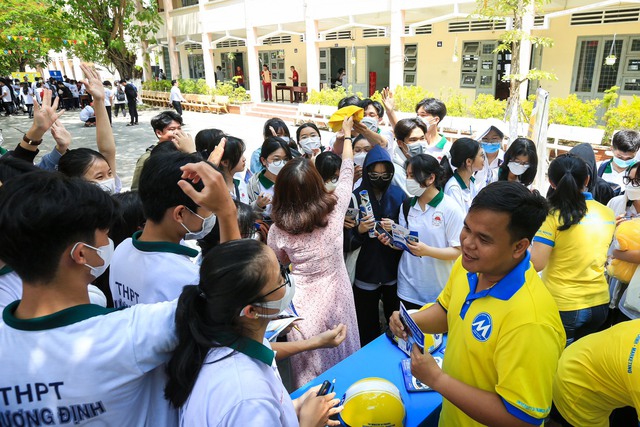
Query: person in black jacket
x=377 y=264
x=132 y=99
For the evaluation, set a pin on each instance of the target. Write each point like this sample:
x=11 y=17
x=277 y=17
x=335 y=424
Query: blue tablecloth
x=380 y=358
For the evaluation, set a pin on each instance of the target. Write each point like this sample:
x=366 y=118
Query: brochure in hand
x=401 y=236
x=411 y=383
x=276 y=326
x=414 y=334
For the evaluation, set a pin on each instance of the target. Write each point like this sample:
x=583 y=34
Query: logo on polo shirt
x=436 y=219
x=481 y=327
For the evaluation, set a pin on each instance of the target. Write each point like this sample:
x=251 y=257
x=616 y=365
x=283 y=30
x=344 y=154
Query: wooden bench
x=219 y=104
x=572 y=134
x=192 y=102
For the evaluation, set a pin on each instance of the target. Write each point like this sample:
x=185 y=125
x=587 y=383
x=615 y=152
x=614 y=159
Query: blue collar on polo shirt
x=503 y=290
x=169 y=247
x=587 y=195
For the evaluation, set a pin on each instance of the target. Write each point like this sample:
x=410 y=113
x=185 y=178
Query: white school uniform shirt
x=421 y=279
x=11 y=289
x=86 y=113
x=244 y=389
x=489 y=171
x=460 y=192
x=149 y=272
x=85 y=365
x=27 y=98
x=176 y=95
x=611 y=175
x=107 y=97
x=6 y=94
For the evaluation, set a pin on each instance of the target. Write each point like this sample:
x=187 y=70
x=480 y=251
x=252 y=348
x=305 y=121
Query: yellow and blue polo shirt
x=599 y=373
x=506 y=340
x=575 y=272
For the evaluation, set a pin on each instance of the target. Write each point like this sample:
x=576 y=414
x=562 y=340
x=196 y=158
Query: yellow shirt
x=505 y=340
x=599 y=373
x=575 y=272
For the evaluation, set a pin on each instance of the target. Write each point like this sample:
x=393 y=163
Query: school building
x=436 y=44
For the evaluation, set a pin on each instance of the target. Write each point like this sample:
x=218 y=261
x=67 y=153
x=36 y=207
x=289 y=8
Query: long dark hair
x=520 y=147
x=301 y=202
x=423 y=166
x=231 y=277
x=461 y=150
x=568 y=173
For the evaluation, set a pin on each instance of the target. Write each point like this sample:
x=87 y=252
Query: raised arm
x=104 y=135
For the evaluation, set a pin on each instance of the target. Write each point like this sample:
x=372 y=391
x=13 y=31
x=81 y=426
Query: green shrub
x=624 y=116
x=455 y=101
x=406 y=97
x=573 y=111
x=328 y=96
x=485 y=106
x=159 y=86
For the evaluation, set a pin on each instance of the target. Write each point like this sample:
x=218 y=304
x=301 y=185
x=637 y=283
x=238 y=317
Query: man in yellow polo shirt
x=597 y=374
x=505 y=333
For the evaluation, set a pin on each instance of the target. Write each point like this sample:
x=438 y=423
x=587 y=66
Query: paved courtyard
x=132 y=141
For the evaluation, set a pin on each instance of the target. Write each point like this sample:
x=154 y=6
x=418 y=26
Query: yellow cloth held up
x=335 y=122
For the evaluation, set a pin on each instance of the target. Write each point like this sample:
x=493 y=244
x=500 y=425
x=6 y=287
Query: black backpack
x=120 y=94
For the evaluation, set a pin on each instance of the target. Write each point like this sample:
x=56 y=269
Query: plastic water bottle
x=366 y=209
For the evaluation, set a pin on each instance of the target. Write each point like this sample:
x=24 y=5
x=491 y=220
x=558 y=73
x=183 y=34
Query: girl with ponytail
x=571 y=248
x=466 y=157
x=223 y=370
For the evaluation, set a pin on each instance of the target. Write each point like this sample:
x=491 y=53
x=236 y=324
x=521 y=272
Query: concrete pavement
x=132 y=141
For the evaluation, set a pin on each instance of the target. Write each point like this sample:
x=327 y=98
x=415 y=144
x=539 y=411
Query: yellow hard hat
x=373 y=402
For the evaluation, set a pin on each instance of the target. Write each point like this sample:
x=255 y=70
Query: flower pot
x=610 y=60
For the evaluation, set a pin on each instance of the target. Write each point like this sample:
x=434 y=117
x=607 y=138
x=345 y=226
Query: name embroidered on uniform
x=481 y=327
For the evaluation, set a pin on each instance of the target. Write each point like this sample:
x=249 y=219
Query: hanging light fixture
x=611 y=59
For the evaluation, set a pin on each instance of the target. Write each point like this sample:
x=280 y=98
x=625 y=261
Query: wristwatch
x=31 y=141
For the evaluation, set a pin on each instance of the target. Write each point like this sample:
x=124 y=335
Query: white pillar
x=253 y=76
x=313 y=62
x=209 y=69
x=525 y=49
x=77 y=72
x=173 y=54
x=66 y=70
x=396 y=47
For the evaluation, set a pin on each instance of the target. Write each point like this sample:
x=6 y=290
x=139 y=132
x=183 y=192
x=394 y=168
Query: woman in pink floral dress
x=307 y=231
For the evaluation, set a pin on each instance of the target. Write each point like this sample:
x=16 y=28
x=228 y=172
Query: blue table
x=381 y=358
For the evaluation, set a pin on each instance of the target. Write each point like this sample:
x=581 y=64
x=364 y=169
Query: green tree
x=28 y=30
x=511 y=41
x=113 y=29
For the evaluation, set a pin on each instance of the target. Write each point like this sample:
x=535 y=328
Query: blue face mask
x=623 y=163
x=490 y=147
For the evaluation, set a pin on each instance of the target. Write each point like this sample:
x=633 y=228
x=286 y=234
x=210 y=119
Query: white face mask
x=207 y=225
x=632 y=193
x=108 y=185
x=358 y=158
x=281 y=304
x=330 y=186
x=516 y=168
x=414 y=188
x=105 y=252
x=276 y=166
x=310 y=144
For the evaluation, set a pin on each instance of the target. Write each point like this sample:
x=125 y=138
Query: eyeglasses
x=635 y=182
x=284 y=272
x=373 y=176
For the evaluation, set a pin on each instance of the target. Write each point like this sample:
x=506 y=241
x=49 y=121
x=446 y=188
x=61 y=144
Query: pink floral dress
x=324 y=297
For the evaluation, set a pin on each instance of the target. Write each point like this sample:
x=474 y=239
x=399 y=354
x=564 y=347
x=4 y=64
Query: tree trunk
x=513 y=104
x=124 y=61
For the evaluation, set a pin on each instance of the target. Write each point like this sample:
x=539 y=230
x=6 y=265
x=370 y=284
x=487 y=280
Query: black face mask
x=380 y=184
